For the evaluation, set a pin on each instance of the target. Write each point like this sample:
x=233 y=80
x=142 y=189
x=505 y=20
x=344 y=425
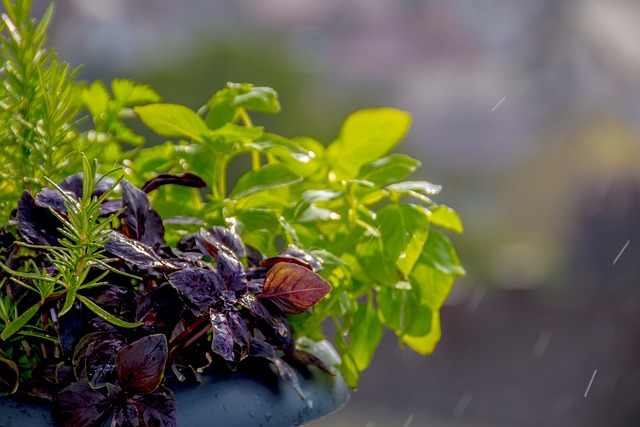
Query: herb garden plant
x=122 y=276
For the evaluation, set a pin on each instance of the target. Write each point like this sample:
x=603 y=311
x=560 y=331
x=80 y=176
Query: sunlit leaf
x=269 y=176
x=96 y=98
x=420 y=187
x=366 y=135
x=389 y=169
x=128 y=93
x=365 y=335
x=441 y=254
x=445 y=217
x=261 y=99
x=404 y=230
x=426 y=344
x=172 y=121
x=294 y=289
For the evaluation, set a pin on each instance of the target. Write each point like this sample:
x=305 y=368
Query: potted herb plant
x=123 y=289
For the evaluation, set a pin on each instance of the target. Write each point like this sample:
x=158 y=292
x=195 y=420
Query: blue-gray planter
x=241 y=399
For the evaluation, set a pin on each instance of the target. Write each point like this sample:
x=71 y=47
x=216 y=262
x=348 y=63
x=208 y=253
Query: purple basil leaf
x=305 y=358
x=94 y=359
x=229 y=239
x=288 y=375
x=64 y=373
x=186 y=179
x=260 y=348
x=137 y=208
x=159 y=308
x=256 y=307
x=79 y=405
x=278 y=259
x=296 y=252
x=53 y=199
x=135 y=252
x=199 y=286
x=73 y=326
x=215 y=239
x=73 y=184
x=254 y=256
x=294 y=289
x=255 y=286
x=37 y=225
x=157 y=409
x=153 y=231
x=241 y=334
x=232 y=271
x=8 y=377
x=222 y=335
x=110 y=207
x=140 y=365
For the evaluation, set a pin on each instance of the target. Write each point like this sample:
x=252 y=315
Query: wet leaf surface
x=94 y=359
x=156 y=409
x=232 y=271
x=223 y=339
x=140 y=365
x=137 y=208
x=135 y=252
x=37 y=225
x=198 y=286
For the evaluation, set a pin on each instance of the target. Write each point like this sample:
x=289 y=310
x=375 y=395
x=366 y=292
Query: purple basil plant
x=208 y=304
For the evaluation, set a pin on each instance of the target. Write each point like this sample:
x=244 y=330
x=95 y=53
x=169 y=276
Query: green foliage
x=347 y=203
x=37 y=107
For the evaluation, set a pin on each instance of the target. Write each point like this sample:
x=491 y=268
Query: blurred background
x=526 y=111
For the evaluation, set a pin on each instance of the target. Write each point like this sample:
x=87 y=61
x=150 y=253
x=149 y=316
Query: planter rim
x=242 y=399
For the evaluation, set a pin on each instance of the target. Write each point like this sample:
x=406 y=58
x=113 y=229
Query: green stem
x=246 y=121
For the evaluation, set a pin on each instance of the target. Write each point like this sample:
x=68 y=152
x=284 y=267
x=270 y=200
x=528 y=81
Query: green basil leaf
x=398 y=307
x=445 y=217
x=425 y=344
x=269 y=176
x=366 y=135
x=96 y=98
x=128 y=93
x=364 y=335
x=420 y=187
x=172 y=121
x=389 y=169
x=433 y=284
x=348 y=368
x=261 y=99
x=440 y=254
x=404 y=230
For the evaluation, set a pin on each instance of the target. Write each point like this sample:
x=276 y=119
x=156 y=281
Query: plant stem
x=246 y=120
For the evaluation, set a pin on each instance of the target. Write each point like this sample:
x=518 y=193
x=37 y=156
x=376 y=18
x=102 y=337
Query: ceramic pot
x=246 y=398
